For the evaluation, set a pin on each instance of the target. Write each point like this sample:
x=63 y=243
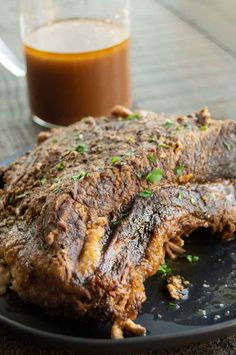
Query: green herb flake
x=81 y=148
x=203 y=127
x=154 y=176
x=192 y=258
x=116 y=222
x=56 y=190
x=78 y=136
x=164 y=270
x=168 y=124
x=152 y=140
x=54 y=140
x=172 y=305
x=40 y=248
x=134 y=116
x=130 y=139
x=180 y=195
x=129 y=154
x=79 y=177
x=188 y=125
x=119 y=220
x=146 y=193
x=139 y=175
x=11 y=200
x=227 y=146
x=104 y=118
x=193 y=201
x=115 y=159
x=60 y=166
x=152 y=158
x=178 y=128
x=163 y=145
x=44 y=180
x=179 y=170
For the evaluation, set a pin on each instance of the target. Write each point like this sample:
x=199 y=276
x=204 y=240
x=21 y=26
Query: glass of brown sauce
x=77 y=58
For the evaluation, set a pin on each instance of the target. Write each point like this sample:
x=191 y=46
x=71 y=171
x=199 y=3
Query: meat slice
x=137 y=247
x=74 y=234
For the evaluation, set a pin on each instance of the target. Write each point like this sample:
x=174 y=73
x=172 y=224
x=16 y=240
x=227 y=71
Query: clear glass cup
x=77 y=56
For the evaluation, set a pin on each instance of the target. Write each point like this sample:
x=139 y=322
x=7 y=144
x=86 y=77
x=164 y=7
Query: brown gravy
x=77 y=68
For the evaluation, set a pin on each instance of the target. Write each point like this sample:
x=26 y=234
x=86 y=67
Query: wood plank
x=16 y=129
x=214 y=18
x=177 y=68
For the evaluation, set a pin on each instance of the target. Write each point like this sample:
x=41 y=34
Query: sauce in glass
x=77 y=68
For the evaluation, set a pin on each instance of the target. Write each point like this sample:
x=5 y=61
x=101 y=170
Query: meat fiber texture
x=93 y=209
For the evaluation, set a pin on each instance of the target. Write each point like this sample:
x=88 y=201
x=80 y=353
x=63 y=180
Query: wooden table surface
x=184 y=58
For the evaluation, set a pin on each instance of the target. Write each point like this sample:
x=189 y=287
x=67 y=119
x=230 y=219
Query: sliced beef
x=73 y=231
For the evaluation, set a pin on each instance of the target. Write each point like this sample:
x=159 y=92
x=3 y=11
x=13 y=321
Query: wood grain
x=184 y=57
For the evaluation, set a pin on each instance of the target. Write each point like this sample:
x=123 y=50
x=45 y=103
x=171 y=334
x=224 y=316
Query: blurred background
x=184 y=57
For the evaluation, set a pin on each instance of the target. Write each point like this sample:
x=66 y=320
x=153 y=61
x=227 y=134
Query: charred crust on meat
x=43 y=136
x=177 y=285
x=59 y=242
x=203 y=117
x=121 y=111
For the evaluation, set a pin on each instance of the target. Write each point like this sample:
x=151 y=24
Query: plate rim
x=168 y=340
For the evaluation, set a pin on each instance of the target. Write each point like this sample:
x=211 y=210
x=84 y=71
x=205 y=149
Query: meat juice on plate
x=77 y=68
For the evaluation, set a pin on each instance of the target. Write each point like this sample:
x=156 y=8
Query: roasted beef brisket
x=92 y=211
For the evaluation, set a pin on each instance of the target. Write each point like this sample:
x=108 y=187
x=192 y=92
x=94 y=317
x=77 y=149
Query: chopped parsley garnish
x=11 y=200
x=227 y=146
x=192 y=258
x=172 y=305
x=104 y=118
x=81 y=148
x=130 y=139
x=44 y=180
x=193 y=201
x=178 y=128
x=168 y=124
x=164 y=270
x=78 y=136
x=179 y=170
x=56 y=190
x=203 y=127
x=146 y=193
x=79 y=177
x=180 y=195
x=152 y=158
x=60 y=166
x=134 y=116
x=154 y=176
x=139 y=175
x=119 y=220
x=54 y=140
x=187 y=125
x=115 y=159
x=129 y=153
x=152 y=140
x=163 y=145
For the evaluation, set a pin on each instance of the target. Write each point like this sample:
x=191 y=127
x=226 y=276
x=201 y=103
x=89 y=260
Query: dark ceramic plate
x=209 y=311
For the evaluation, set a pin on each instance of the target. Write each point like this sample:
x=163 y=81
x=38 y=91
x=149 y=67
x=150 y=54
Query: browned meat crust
x=176 y=285
x=74 y=233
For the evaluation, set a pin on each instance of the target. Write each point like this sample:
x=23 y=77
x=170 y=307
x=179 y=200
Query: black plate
x=209 y=311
